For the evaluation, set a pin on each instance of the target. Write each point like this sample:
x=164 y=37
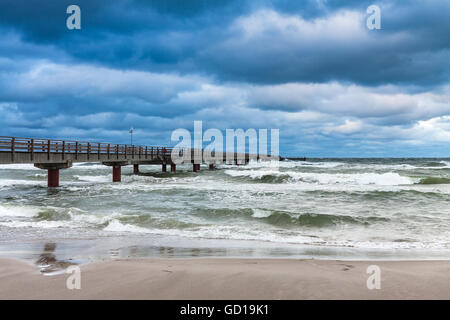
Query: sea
x=353 y=209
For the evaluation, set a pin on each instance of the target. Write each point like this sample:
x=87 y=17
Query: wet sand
x=201 y=278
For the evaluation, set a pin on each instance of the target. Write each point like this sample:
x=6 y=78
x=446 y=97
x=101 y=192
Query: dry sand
x=230 y=279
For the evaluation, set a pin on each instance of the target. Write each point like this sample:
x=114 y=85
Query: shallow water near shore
x=320 y=208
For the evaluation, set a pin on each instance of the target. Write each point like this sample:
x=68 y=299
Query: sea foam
x=384 y=179
x=18 y=211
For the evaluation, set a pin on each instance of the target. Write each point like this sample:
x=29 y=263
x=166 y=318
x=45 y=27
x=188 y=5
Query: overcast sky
x=312 y=68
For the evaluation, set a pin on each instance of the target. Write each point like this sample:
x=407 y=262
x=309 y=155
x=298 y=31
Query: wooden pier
x=53 y=155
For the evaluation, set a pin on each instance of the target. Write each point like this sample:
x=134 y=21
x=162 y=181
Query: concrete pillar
x=135 y=168
x=173 y=167
x=196 y=167
x=117 y=173
x=164 y=167
x=53 y=178
x=53 y=171
x=117 y=169
x=211 y=166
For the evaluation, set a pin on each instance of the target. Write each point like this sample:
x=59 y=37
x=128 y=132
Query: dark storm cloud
x=413 y=46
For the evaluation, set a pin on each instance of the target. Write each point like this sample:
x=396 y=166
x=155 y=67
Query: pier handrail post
x=117 y=151
x=32 y=150
x=13 y=141
x=98 y=151
x=88 y=150
x=48 y=150
x=146 y=150
x=63 y=149
x=109 y=150
x=76 y=150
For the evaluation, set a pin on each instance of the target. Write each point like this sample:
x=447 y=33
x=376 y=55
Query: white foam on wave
x=403 y=166
x=268 y=164
x=252 y=164
x=327 y=164
x=106 y=178
x=18 y=211
x=89 y=166
x=259 y=213
x=78 y=218
x=18 y=166
x=39 y=224
x=235 y=232
x=116 y=226
x=383 y=179
x=81 y=217
x=11 y=182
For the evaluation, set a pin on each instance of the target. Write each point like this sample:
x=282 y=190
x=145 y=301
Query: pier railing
x=32 y=150
x=53 y=155
x=32 y=146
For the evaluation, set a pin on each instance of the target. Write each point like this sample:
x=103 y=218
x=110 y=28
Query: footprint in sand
x=347 y=267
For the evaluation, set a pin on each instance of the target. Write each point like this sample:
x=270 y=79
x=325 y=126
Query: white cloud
x=341 y=26
x=45 y=78
x=352 y=100
x=433 y=130
x=348 y=127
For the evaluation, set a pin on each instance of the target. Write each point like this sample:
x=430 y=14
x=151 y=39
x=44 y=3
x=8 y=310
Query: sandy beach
x=230 y=279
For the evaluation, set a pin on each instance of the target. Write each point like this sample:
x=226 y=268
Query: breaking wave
x=317 y=220
x=273 y=176
x=434 y=180
x=18 y=211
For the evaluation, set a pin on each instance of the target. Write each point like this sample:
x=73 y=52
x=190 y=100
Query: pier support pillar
x=53 y=178
x=53 y=171
x=173 y=167
x=135 y=168
x=196 y=167
x=116 y=168
x=117 y=173
x=164 y=167
x=211 y=166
